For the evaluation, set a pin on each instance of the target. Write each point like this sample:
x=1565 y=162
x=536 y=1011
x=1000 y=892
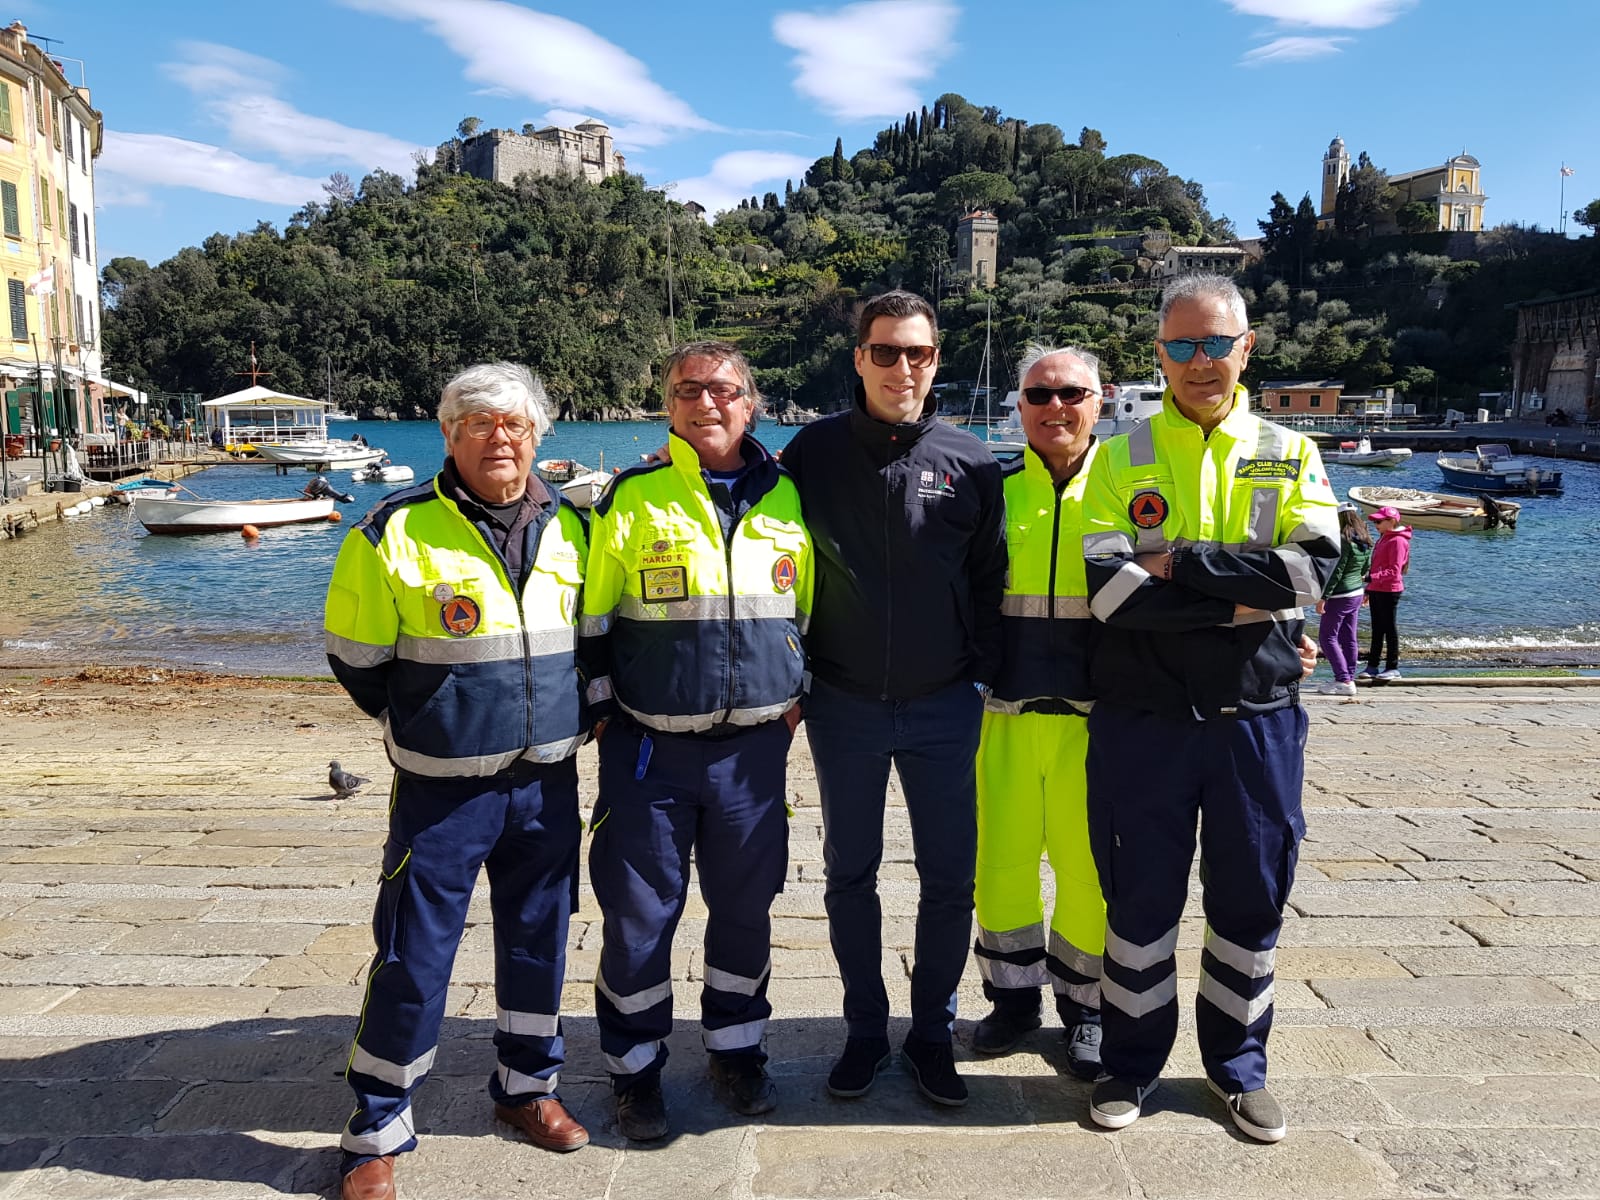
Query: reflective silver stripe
x=1107 y=545
x=1011 y=941
x=1256 y=615
x=516 y=1083
x=727 y=981
x=599 y=689
x=706 y=608
x=1141 y=958
x=497 y=647
x=1139 y=1004
x=1272 y=441
x=735 y=1037
x=1321 y=523
x=700 y=722
x=1086 y=994
x=1255 y=963
x=358 y=654
x=1302 y=573
x=1142 y=446
x=544 y=1025
x=1017 y=605
x=1246 y=1012
x=1264 y=504
x=1013 y=975
x=1085 y=964
x=596 y=625
x=381 y=1141
x=401 y=1075
x=1120 y=586
x=633 y=1002
x=476 y=767
x=1013 y=708
x=635 y=1060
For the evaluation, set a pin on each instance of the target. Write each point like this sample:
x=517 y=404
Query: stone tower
x=978 y=246
x=1335 y=170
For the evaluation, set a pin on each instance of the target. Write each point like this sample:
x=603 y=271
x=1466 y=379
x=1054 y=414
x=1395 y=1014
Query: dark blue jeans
x=932 y=742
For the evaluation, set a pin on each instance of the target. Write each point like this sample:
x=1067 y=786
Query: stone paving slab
x=181 y=963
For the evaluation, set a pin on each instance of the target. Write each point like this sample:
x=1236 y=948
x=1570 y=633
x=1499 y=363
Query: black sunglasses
x=885 y=355
x=1040 y=396
x=1218 y=345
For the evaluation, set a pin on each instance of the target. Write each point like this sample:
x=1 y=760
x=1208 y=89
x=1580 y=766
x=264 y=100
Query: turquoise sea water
x=99 y=589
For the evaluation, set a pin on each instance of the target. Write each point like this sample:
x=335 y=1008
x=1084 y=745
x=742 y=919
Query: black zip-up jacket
x=908 y=527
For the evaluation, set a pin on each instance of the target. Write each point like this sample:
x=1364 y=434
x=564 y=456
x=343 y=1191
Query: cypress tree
x=788 y=191
x=1016 y=149
x=838 y=158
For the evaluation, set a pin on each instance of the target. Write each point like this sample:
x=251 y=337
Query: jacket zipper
x=733 y=528
x=888 y=583
x=522 y=617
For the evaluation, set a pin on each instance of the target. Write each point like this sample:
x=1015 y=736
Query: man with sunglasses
x=1206 y=531
x=451 y=619
x=907 y=514
x=697 y=595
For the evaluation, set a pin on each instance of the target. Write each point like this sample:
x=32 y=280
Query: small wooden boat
x=193 y=515
x=1493 y=468
x=125 y=491
x=1361 y=454
x=1435 y=510
x=559 y=470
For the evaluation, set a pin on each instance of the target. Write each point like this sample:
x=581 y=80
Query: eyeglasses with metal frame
x=1040 y=396
x=1218 y=345
x=885 y=354
x=481 y=425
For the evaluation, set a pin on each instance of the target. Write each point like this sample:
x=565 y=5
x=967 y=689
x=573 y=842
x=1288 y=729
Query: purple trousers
x=1336 y=634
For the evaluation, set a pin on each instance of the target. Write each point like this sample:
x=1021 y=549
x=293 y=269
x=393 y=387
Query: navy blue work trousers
x=523 y=826
x=663 y=795
x=932 y=741
x=1150 y=778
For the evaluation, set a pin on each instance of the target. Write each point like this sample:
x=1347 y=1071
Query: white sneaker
x=1347 y=688
x=1389 y=676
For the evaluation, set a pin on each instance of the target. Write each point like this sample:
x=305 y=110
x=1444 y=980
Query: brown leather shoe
x=547 y=1123
x=372 y=1180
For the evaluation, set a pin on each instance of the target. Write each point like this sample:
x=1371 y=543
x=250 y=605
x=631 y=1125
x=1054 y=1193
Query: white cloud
x=548 y=59
x=733 y=177
x=1325 y=14
x=866 y=60
x=155 y=159
x=239 y=91
x=1292 y=49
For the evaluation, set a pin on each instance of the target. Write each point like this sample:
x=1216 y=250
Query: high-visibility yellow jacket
x=468 y=669
x=1250 y=519
x=683 y=628
x=1044 y=616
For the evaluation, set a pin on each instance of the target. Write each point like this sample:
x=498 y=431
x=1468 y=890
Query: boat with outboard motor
x=1493 y=468
x=1361 y=454
x=1436 y=510
x=191 y=514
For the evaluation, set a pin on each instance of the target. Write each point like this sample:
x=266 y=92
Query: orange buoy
x=249 y=533
x=333 y=517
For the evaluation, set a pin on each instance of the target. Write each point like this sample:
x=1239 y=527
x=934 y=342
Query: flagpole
x=1563 y=199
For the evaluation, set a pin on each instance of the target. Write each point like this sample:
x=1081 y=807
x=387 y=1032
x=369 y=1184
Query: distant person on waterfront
x=908 y=517
x=1031 y=788
x=451 y=619
x=1386 y=583
x=697 y=595
x=1207 y=530
x=1341 y=603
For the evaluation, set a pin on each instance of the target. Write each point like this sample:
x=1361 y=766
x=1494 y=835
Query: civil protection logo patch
x=783 y=573
x=1148 y=510
x=460 y=615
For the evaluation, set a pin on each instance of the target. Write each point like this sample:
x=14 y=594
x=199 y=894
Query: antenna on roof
x=48 y=41
x=255 y=375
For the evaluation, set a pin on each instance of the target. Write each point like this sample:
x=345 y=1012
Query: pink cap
x=1386 y=513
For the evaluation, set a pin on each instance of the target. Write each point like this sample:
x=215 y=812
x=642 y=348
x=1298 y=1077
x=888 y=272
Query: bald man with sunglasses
x=907 y=518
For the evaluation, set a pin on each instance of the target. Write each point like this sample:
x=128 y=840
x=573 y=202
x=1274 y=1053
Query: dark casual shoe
x=857 y=1069
x=372 y=1180
x=1083 y=1051
x=1003 y=1028
x=933 y=1069
x=1256 y=1112
x=641 y=1111
x=547 y=1123
x=747 y=1086
x=1117 y=1103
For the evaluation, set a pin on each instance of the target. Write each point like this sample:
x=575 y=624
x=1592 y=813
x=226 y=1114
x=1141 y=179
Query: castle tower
x=978 y=246
x=1335 y=170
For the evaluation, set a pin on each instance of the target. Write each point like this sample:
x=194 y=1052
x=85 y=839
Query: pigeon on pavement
x=343 y=783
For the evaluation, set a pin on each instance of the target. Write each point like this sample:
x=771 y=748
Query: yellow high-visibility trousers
x=1032 y=802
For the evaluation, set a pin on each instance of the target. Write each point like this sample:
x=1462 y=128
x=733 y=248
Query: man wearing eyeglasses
x=451 y=618
x=908 y=518
x=1206 y=531
x=697 y=595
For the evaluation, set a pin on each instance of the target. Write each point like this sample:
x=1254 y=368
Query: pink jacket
x=1389 y=559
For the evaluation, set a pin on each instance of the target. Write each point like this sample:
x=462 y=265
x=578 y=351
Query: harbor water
x=98 y=589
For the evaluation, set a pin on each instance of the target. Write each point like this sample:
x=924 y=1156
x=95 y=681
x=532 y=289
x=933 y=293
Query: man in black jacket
x=907 y=518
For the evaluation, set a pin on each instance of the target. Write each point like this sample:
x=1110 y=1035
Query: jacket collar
x=1037 y=470
x=882 y=434
x=1238 y=424
x=453 y=488
x=686 y=461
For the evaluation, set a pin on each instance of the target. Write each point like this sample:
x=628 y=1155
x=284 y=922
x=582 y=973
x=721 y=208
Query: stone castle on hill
x=501 y=155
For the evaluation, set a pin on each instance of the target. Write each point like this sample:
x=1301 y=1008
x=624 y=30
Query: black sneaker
x=1083 y=1051
x=1003 y=1028
x=857 y=1069
x=745 y=1083
x=933 y=1069
x=641 y=1111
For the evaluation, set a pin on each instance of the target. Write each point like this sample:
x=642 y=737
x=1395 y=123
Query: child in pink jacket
x=1386 y=582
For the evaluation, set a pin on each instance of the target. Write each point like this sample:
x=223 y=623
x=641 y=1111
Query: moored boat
x=1493 y=468
x=193 y=515
x=559 y=470
x=1435 y=510
x=1361 y=454
x=584 y=490
x=330 y=455
x=381 y=472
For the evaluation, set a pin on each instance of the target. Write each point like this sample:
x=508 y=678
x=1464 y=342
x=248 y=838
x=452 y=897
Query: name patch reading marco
x=1267 y=468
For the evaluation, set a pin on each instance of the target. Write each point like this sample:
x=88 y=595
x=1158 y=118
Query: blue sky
x=221 y=114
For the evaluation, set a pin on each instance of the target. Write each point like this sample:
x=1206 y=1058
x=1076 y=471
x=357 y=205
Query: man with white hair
x=451 y=618
x=1206 y=531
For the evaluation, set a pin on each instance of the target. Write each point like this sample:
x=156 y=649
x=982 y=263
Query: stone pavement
x=183 y=933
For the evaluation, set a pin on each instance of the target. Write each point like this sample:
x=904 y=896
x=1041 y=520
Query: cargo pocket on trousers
x=387 y=933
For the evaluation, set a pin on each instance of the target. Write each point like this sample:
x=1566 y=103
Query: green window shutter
x=8 y=203
x=61 y=207
x=44 y=207
x=18 y=296
x=5 y=110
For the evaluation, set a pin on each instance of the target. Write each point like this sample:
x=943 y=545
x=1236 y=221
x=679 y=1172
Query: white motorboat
x=330 y=455
x=1128 y=404
x=193 y=515
x=1361 y=454
x=161 y=489
x=381 y=472
x=1493 y=468
x=584 y=490
x=1435 y=510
